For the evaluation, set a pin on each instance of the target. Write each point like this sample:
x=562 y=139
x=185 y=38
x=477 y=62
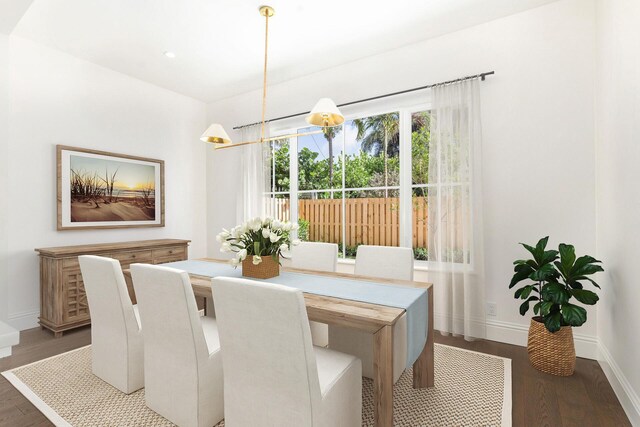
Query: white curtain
x=254 y=170
x=455 y=210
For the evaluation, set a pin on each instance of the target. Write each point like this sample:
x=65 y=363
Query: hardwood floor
x=585 y=399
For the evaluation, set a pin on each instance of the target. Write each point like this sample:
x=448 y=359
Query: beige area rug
x=472 y=389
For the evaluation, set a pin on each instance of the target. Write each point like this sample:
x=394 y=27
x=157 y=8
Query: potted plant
x=258 y=245
x=555 y=281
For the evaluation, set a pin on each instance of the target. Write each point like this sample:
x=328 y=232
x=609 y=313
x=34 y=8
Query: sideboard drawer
x=169 y=253
x=72 y=263
x=133 y=257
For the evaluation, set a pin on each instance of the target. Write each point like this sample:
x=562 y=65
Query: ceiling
x=219 y=43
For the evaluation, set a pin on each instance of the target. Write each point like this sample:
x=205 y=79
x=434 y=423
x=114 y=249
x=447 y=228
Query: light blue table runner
x=413 y=300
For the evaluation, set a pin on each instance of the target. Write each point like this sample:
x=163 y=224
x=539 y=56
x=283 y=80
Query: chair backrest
x=112 y=315
x=174 y=342
x=270 y=371
x=315 y=256
x=385 y=262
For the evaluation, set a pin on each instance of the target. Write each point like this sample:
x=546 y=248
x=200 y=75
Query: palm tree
x=378 y=134
x=329 y=134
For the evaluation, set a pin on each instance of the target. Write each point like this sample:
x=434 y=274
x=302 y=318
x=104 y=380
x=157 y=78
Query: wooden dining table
x=378 y=320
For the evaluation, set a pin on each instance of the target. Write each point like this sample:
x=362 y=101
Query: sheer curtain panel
x=455 y=243
x=254 y=174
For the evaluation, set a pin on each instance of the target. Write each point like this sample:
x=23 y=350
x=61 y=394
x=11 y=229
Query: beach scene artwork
x=107 y=190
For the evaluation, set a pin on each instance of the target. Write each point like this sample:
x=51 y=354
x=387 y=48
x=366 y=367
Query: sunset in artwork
x=110 y=190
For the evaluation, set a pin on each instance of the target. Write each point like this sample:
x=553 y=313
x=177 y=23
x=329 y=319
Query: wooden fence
x=369 y=221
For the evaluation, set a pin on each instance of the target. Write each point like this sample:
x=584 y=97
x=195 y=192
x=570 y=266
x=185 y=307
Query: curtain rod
x=481 y=76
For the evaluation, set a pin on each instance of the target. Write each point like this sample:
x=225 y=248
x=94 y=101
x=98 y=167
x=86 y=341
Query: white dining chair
x=182 y=362
x=274 y=376
x=383 y=262
x=116 y=338
x=316 y=256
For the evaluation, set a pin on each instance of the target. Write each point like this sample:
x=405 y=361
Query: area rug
x=471 y=389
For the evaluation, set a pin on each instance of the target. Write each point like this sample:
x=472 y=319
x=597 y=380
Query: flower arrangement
x=258 y=238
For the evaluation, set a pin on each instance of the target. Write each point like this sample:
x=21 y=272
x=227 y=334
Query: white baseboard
x=515 y=333
x=24 y=320
x=5 y=352
x=626 y=394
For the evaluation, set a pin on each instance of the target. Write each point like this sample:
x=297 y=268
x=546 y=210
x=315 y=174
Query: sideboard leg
x=58 y=334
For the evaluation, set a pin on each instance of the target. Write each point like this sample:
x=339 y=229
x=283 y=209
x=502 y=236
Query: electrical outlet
x=492 y=309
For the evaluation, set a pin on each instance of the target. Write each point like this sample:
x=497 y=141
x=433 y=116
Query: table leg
x=383 y=376
x=423 y=374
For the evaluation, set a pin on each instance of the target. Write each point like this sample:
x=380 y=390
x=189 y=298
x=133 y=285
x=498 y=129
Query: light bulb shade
x=325 y=114
x=216 y=135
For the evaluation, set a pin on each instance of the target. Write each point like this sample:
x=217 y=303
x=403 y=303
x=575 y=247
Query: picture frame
x=104 y=190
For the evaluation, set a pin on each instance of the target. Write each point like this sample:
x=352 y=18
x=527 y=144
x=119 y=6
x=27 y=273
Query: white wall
x=4 y=135
x=618 y=196
x=58 y=99
x=538 y=133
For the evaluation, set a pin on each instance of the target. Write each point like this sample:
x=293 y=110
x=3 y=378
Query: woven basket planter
x=266 y=269
x=553 y=353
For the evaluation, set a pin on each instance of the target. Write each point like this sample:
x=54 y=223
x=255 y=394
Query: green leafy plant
x=303 y=230
x=556 y=277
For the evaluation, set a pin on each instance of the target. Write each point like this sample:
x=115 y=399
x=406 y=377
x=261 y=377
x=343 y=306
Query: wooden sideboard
x=63 y=302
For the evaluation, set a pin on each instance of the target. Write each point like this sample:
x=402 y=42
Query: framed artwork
x=97 y=189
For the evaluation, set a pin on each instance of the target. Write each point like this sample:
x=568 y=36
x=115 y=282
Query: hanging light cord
x=264 y=79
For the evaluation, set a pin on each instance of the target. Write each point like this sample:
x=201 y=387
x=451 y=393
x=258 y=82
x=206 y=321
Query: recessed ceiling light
x=169 y=54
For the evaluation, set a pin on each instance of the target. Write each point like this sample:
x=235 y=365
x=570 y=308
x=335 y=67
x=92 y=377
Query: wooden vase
x=553 y=353
x=266 y=269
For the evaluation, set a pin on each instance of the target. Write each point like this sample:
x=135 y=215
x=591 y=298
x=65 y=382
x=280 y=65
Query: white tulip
x=266 y=232
x=255 y=225
x=234 y=261
x=295 y=242
x=286 y=226
x=268 y=220
x=276 y=224
x=273 y=237
x=226 y=247
x=219 y=238
x=256 y=259
x=284 y=247
x=242 y=254
x=243 y=228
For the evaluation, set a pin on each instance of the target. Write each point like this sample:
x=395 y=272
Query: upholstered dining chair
x=182 y=360
x=316 y=256
x=273 y=375
x=383 y=262
x=116 y=337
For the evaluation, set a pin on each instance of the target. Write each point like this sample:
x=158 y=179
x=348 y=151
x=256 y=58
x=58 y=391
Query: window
x=354 y=184
x=277 y=198
x=320 y=183
x=420 y=135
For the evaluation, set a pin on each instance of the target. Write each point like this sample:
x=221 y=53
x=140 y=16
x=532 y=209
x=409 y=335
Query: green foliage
x=281 y=154
x=303 y=231
x=350 y=250
x=558 y=276
x=420 y=137
x=421 y=254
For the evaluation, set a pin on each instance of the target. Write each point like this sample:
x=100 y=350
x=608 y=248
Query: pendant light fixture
x=324 y=114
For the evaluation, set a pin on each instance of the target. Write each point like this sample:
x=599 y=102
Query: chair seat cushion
x=331 y=366
x=210 y=329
